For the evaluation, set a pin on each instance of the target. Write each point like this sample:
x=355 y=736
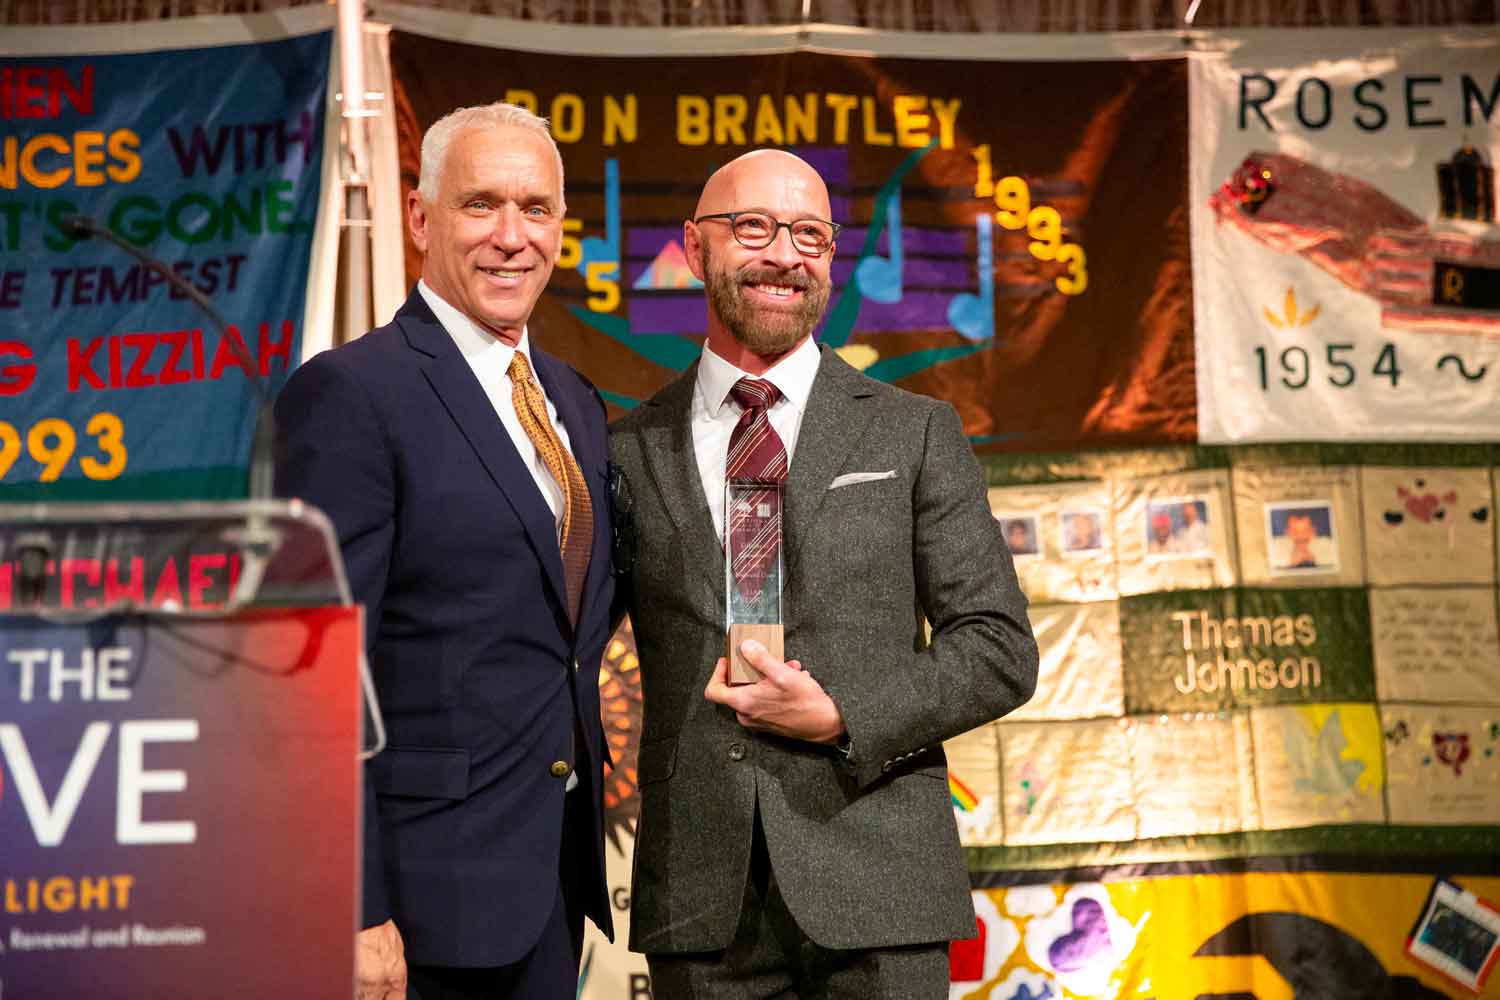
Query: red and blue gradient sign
x=178 y=805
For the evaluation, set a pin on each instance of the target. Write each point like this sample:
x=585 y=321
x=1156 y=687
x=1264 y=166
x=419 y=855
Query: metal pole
x=355 y=170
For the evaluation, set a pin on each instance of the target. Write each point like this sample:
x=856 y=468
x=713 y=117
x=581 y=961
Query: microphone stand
x=257 y=540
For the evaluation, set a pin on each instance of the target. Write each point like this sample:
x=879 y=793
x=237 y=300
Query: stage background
x=1218 y=312
x=205 y=144
x=1268 y=719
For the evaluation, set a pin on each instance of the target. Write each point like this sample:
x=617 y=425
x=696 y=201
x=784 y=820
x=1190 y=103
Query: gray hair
x=498 y=115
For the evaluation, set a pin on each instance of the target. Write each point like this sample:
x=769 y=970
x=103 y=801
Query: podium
x=181 y=692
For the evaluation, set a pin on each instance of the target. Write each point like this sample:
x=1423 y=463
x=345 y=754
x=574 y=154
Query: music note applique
x=607 y=250
x=599 y=260
x=973 y=316
x=880 y=278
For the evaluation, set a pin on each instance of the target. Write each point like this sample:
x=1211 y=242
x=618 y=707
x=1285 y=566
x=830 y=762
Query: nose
x=781 y=251
x=509 y=233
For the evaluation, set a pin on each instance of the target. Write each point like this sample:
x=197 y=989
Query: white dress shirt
x=1193 y=538
x=489 y=357
x=715 y=413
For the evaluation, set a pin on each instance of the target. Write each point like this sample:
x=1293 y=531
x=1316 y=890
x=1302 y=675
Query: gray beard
x=765 y=336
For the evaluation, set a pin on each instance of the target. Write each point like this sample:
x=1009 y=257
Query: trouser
x=770 y=957
x=550 y=970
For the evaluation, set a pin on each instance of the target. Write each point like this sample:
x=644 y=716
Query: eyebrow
x=527 y=198
x=804 y=217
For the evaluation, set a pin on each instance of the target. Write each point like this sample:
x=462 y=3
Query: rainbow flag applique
x=963 y=797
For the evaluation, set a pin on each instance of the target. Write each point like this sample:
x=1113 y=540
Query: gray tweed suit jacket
x=865 y=851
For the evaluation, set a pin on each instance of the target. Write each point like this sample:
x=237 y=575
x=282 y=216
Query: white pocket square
x=851 y=478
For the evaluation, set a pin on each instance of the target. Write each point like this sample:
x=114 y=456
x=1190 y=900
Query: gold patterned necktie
x=577 y=534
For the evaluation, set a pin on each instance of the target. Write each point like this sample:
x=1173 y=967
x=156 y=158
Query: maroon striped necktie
x=756 y=455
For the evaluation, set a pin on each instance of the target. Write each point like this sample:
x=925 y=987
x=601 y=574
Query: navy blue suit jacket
x=453 y=552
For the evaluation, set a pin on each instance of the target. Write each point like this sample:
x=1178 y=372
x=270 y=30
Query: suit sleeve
x=982 y=660
x=331 y=452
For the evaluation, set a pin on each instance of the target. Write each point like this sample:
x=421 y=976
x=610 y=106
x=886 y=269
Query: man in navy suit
x=470 y=503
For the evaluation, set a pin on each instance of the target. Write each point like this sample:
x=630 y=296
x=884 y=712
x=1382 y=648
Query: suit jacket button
x=736 y=751
x=560 y=769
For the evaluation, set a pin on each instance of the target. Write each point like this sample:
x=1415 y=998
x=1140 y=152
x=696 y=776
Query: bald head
x=761 y=173
x=764 y=299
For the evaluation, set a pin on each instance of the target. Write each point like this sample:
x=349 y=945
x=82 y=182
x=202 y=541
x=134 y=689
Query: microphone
x=258 y=540
x=81 y=227
x=34 y=552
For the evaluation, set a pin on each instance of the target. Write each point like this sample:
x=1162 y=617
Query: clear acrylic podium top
x=72 y=563
x=173 y=557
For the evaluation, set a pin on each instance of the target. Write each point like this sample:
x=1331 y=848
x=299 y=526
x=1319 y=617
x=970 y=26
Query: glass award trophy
x=752 y=572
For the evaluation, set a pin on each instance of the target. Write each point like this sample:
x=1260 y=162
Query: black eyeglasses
x=757 y=230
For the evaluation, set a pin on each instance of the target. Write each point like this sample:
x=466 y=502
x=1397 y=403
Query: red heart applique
x=1423 y=507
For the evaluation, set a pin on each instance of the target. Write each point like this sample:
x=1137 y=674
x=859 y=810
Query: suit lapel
x=667 y=440
x=453 y=380
x=831 y=428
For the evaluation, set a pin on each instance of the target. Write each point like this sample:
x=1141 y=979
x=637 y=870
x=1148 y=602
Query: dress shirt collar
x=793 y=375
x=479 y=347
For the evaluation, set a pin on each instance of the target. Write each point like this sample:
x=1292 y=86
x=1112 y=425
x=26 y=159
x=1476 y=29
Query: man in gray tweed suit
x=796 y=835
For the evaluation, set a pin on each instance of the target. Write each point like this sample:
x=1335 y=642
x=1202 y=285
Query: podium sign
x=179 y=804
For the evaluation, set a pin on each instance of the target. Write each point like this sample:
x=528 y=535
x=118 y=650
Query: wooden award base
x=769 y=636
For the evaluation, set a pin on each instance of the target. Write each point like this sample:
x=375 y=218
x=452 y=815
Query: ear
x=416 y=219
x=692 y=249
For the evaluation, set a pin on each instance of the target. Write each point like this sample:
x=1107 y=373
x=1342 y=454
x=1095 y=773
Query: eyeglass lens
x=754 y=231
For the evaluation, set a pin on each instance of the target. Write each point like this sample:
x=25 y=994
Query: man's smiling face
x=769 y=299
x=494 y=230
